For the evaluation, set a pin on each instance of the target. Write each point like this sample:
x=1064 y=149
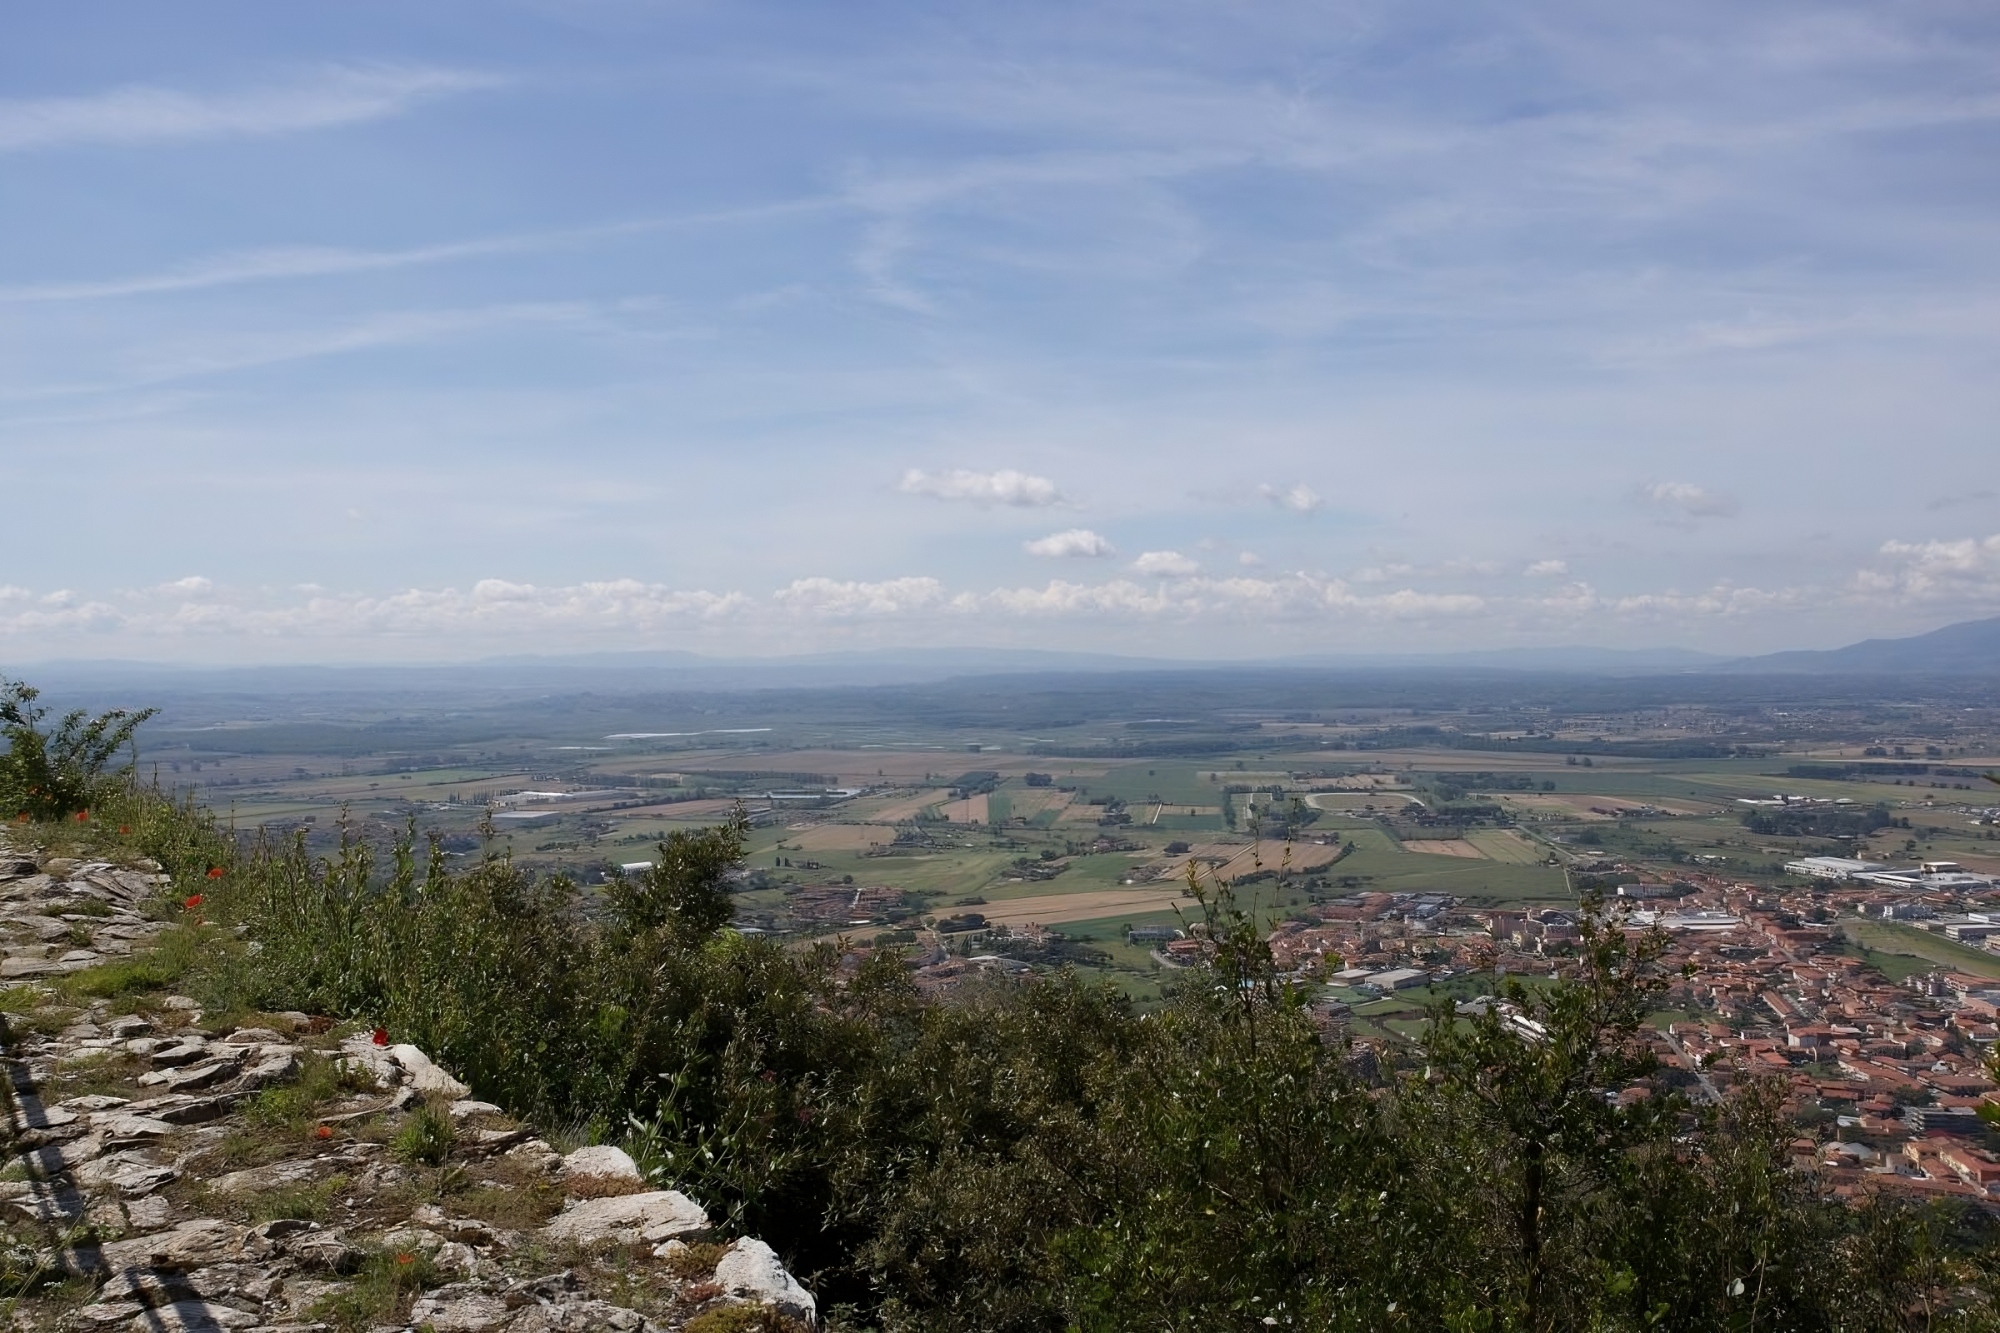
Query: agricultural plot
x=837 y=837
x=1506 y=845
x=1380 y=862
x=1887 y=937
x=1029 y=802
x=1461 y=847
x=971 y=810
x=1174 y=784
x=1592 y=806
x=1354 y=802
x=1055 y=908
x=909 y=807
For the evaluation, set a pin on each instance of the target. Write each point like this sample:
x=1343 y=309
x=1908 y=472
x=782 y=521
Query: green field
x=1893 y=940
x=1381 y=862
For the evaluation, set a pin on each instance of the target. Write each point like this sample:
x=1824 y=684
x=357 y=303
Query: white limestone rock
x=751 y=1271
x=461 y=1308
x=190 y=1245
x=602 y=1160
x=424 y=1075
x=629 y=1219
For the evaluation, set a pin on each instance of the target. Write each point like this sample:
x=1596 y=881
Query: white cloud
x=1290 y=597
x=1297 y=497
x=1077 y=542
x=1005 y=487
x=1167 y=564
x=1688 y=499
x=193 y=583
x=1546 y=569
x=1965 y=569
x=1249 y=559
x=290 y=262
x=1723 y=599
x=307 y=622
x=833 y=597
x=338 y=95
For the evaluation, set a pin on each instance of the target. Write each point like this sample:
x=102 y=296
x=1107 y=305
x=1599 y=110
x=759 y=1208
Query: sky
x=360 y=331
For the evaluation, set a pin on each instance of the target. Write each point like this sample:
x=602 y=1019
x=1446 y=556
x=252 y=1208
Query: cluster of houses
x=1888 y=1082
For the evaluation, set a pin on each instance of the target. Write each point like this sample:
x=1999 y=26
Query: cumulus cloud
x=1005 y=487
x=834 y=597
x=1077 y=542
x=490 y=606
x=1166 y=564
x=1290 y=597
x=1688 y=500
x=1723 y=599
x=1297 y=497
x=1546 y=569
x=1965 y=569
x=1160 y=587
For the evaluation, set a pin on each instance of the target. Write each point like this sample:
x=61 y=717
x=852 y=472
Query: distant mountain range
x=1971 y=648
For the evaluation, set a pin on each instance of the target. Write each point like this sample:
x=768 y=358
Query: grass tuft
x=427 y=1137
x=388 y=1281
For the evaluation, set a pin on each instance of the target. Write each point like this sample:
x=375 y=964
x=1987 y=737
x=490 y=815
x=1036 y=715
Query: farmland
x=1068 y=805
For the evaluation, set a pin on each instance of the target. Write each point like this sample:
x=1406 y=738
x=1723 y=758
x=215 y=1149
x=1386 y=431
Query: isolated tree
x=52 y=774
x=686 y=891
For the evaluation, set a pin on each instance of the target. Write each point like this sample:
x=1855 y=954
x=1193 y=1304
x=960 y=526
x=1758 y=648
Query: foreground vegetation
x=1041 y=1155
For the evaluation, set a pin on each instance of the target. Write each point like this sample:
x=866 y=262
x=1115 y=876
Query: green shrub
x=303 y=1203
x=426 y=1138
x=1041 y=1156
x=742 y=1319
x=383 y=1289
x=58 y=773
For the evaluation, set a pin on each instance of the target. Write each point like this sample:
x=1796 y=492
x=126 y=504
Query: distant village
x=1886 y=1080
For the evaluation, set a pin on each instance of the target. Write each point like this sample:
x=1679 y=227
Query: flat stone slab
x=629 y=1219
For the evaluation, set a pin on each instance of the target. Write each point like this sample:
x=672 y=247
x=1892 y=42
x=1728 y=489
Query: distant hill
x=1969 y=648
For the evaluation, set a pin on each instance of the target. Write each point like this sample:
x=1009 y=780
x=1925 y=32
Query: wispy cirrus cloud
x=387 y=329
x=289 y=262
x=142 y=114
x=1005 y=487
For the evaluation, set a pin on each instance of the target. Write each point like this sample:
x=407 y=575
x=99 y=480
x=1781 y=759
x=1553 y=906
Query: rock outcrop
x=277 y=1172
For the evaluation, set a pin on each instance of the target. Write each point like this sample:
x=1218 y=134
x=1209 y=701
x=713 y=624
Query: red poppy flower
x=82 y=815
x=323 y=1132
x=215 y=872
x=380 y=1037
x=192 y=901
x=406 y=1258
x=124 y=828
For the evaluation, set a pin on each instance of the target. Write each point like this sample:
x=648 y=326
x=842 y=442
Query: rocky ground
x=167 y=1169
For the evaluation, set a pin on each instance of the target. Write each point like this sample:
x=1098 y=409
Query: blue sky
x=368 y=331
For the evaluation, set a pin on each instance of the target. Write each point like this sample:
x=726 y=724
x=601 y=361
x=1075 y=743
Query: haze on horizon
x=362 y=332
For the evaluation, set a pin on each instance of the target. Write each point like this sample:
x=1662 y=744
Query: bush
x=54 y=774
x=1044 y=1156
